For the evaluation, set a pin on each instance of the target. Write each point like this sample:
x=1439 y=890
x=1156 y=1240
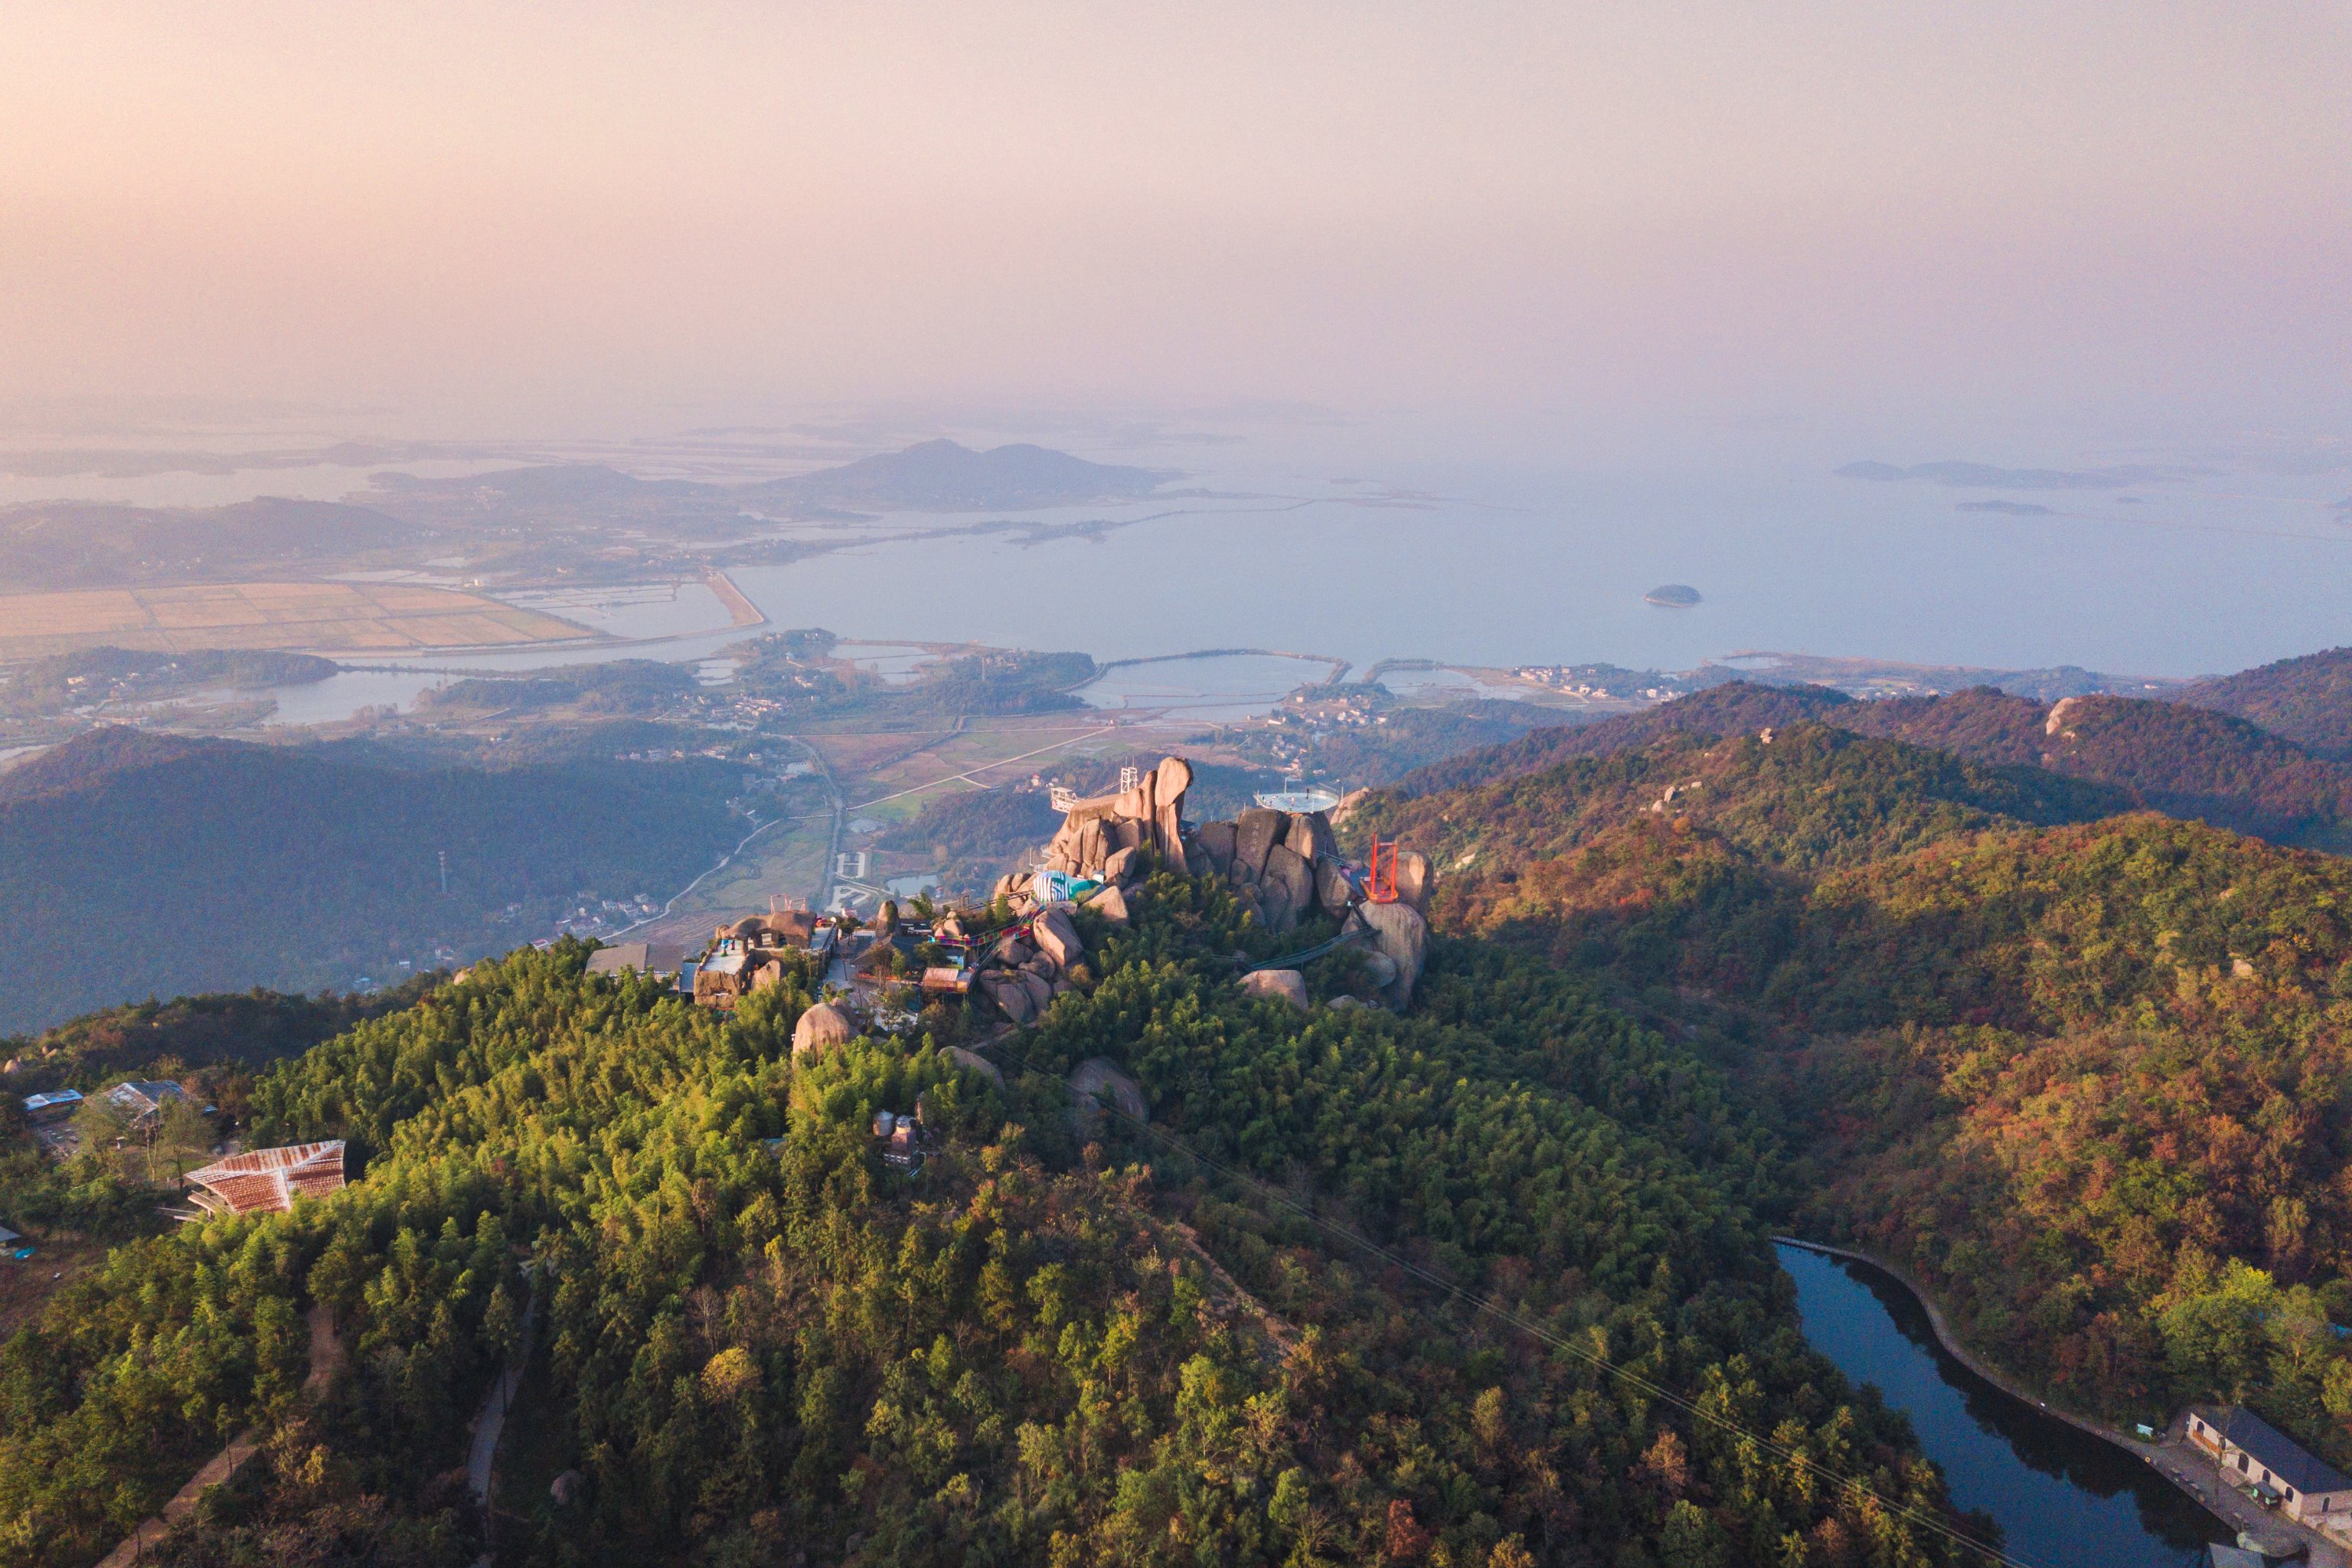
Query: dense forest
x=2182 y=760
x=133 y=864
x=2080 y=1069
x=1061 y=1340
x=2308 y=700
x=1929 y=977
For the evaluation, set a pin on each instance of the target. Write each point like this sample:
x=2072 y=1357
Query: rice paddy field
x=312 y=617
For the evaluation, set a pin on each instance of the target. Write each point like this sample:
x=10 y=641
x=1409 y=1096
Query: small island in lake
x=1674 y=595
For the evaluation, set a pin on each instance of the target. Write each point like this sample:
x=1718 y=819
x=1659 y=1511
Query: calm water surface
x=2062 y=1498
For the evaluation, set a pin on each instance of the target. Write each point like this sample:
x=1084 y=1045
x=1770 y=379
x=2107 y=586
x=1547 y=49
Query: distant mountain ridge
x=949 y=476
x=2186 y=761
x=2306 y=699
x=940 y=473
x=132 y=864
x=72 y=544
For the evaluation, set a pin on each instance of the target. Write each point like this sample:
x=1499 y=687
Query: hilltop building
x=54 y=1106
x=644 y=957
x=267 y=1181
x=748 y=955
x=144 y=1101
x=2267 y=1460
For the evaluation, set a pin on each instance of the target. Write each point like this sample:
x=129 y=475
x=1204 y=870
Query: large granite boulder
x=1174 y=777
x=977 y=1063
x=1255 y=831
x=1010 y=992
x=1040 y=989
x=1057 y=938
x=1216 y=844
x=1293 y=878
x=1333 y=889
x=1124 y=865
x=822 y=1027
x=1097 y=1082
x=1403 y=938
x=1111 y=902
x=1412 y=880
x=1277 y=984
x=1308 y=833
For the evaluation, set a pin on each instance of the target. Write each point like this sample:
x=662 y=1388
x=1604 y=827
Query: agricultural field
x=326 y=618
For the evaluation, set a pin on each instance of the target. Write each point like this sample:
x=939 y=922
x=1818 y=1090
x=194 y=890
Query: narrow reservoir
x=2062 y=1498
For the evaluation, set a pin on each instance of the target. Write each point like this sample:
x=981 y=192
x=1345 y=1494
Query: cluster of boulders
x=1286 y=866
x=1030 y=965
x=1100 y=838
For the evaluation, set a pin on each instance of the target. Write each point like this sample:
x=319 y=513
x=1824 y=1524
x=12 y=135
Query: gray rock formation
x=1412 y=880
x=822 y=1027
x=1057 y=938
x=1216 y=843
x=1278 y=985
x=1308 y=835
x=1149 y=816
x=1099 y=1079
x=1040 y=989
x=1403 y=938
x=1256 y=832
x=1009 y=991
x=977 y=1063
x=1333 y=891
x=1292 y=877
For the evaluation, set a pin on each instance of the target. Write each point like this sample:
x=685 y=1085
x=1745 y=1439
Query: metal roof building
x=267 y=1181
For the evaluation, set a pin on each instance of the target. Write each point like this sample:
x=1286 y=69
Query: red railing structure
x=1380 y=881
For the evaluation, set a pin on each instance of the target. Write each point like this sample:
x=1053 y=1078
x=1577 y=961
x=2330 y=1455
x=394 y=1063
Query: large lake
x=2062 y=1498
x=1368 y=541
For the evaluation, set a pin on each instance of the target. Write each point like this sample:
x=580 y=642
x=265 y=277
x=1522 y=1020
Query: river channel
x=2062 y=1498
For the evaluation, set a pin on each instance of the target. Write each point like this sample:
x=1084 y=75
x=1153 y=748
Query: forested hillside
x=2084 y=1073
x=2184 y=761
x=1057 y=1344
x=132 y=865
x=2306 y=699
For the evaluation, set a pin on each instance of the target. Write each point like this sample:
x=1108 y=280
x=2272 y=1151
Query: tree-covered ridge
x=2308 y=700
x=2169 y=756
x=2085 y=1080
x=1810 y=797
x=151 y=1039
x=1734 y=708
x=2107 y=1117
x=2183 y=760
x=1032 y=1351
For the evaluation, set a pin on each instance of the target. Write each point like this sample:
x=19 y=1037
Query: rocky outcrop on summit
x=1283 y=867
x=1151 y=816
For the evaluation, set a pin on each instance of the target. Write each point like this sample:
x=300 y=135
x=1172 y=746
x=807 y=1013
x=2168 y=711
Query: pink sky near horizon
x=531 y=214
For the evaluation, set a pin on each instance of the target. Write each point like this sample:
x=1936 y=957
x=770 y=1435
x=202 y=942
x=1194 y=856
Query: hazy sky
x=530 y=216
